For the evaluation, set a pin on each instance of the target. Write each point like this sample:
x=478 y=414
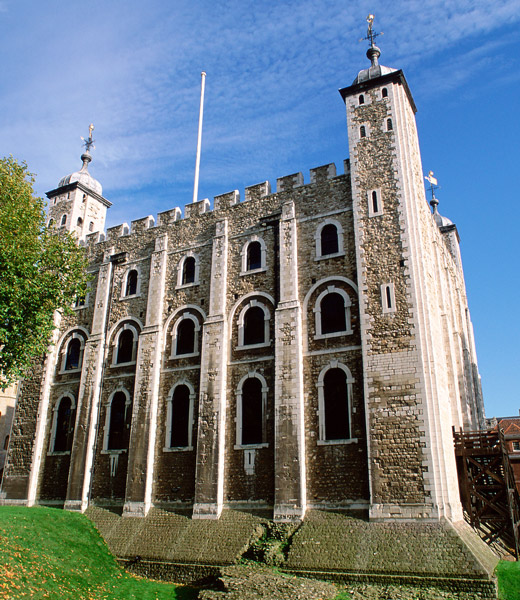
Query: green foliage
x=41 y=270
x=51 y=553
x=508 y=575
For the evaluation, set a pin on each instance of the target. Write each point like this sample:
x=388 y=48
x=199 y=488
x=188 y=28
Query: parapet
x=221 y=202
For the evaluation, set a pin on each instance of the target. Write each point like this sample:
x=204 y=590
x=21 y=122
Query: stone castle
x=309 y=348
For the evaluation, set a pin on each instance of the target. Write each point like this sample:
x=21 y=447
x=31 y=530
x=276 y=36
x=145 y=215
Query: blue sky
x=272 y=108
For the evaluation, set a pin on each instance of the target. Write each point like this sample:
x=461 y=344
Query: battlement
x=318 y=175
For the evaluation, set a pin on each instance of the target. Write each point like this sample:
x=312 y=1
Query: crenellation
x=196 y=208
x=320 y=174
x=226 y=200
x=117 y=231
x=140 y=225
x=167 y=217
x=260 y=190
x=289 y=182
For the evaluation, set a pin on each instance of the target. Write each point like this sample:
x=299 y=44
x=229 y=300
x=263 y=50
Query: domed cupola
x=77 y=204
x=373 y=54
x=83 y=176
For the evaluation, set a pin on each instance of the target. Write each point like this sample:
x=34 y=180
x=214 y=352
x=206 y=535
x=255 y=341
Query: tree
x=42 y=270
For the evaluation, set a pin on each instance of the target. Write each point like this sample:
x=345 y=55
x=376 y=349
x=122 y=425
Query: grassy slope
x=49 y=553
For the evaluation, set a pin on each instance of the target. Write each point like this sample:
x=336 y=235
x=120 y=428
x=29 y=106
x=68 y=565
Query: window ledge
x=122 y=451
x=124 y=364
x=325 y=256
x=253 y=346
x=178 y=449
x=251 y=446
x=186 y=285
x=67 y=371
x=129 y=297
x=336 y=442
x=58 y=453
x=79 y=307
x=178 y=356
x=253 y=271
x=325 y=336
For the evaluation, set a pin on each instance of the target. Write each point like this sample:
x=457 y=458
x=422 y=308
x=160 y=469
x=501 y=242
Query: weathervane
x=371 y=34
x=433 y=186
x=88 y=143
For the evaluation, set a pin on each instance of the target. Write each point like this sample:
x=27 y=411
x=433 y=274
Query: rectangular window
x=516 y=446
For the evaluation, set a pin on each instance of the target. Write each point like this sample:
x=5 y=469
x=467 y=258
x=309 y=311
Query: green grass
x=508 y=574
x=50 y=553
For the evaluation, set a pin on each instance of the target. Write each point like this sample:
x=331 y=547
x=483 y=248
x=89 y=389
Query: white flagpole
x=199 y=139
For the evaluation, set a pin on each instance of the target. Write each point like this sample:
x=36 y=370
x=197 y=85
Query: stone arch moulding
x=125 y=282
x=183 y=316
x=125 y=324
x=77 y=332
x=239 y=411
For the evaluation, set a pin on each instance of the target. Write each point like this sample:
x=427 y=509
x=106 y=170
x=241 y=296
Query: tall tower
x=413 y=348
x=77 y=204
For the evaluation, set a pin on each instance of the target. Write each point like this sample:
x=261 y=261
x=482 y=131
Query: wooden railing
x=487 y=487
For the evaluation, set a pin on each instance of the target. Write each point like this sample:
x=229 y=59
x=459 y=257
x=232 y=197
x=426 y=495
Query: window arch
x=188 y=270
x=384 y=93
x=361 y=99
x=125 y=345
x=63 y=421
x=253 y=255
x=72 y=353
x=251 y=411
x=91 y=226
x=79 y=222
x=131 y=285
x=51 y=223
x=63 y=220
x=334 y=385
x=117 y=422
x=185 y=336
x=363 y=131
x=179 y=417
x=389 y=125
x=332 y=313
x=253 y=325
x=329 y=239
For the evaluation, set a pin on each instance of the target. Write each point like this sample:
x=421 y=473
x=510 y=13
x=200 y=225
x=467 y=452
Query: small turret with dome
x=77 y=203
x=373 y=54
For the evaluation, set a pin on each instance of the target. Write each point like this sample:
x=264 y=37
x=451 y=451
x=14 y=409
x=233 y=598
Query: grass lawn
x=50 y=553
x=508 y=574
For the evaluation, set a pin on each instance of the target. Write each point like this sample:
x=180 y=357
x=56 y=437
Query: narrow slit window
x=362 y=131
x=389 y=125
x=64 y=220
x=384 y=93
x=375 y=203
x=388 y=298
x=361 y=99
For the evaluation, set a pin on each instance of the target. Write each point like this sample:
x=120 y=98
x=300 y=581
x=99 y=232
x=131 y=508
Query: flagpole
x=199 y=139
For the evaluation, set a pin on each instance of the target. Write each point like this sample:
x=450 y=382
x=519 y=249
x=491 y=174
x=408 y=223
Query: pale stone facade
x=309 y=348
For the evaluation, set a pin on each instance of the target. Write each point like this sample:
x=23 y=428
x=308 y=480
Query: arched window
x=254 y=329
x=73 y=359
x=335 y=400
x=389 y=126
x=64 y=220
x=185 y=337
x=180 y=417
x=51 y=223
x=332 y=312
x=375 y=203
x=362 y=131
x=118 y=416
x=251 y=411
x=254 y=256
x=125 y=347
x=188 y=270
x=329 y=240
x=64 y=413
x=91 y=226
x=131 y=283
x=361 y=99
x=79 y=222
x=384 y=93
